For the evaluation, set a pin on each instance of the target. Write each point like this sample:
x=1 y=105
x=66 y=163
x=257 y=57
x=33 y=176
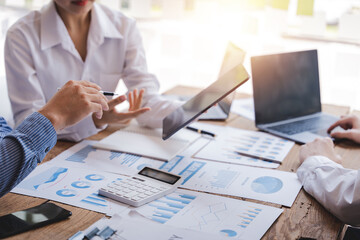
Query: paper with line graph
x=212 y=214
x=74 y=186
x=83 y=155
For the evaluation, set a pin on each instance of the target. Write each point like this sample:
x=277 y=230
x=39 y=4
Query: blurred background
x=185 y=40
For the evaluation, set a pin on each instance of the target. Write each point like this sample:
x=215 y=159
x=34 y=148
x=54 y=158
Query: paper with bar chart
x=74 y=186
x=83 y=155
x=231 y=144
x=236 y=180
x=127 y=228
x=212 y=214
x=201 y=175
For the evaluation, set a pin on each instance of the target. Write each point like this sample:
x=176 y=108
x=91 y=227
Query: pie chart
x=266 y=185
x=66 y=193
x=228 y=233
x=81 y=184
x=94 y=177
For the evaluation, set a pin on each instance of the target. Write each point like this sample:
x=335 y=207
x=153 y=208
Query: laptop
x=287 y=96
x=220 y=112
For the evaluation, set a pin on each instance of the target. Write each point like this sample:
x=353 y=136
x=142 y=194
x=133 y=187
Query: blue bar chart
x=212 y=214
x=248 y=216
x=223 y=178
x=191 y=170
x=81 y=155
x=163 y=209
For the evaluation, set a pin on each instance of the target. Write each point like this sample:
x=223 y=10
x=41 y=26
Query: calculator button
x=142 y=196
x=130 y=195
x=135 y=198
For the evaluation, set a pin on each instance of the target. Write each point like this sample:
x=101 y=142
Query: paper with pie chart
x=236 y=180
x=73 y=186
x=212 y=214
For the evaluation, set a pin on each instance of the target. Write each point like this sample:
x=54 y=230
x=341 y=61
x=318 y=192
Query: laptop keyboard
x=310 y=124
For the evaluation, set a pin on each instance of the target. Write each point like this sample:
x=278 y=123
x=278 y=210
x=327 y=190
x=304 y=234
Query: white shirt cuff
x=307 y=169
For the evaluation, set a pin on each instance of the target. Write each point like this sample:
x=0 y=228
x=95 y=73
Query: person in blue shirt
x=23 y=148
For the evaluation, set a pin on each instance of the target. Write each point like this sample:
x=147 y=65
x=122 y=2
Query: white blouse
x=335 y=187
x=41 y=57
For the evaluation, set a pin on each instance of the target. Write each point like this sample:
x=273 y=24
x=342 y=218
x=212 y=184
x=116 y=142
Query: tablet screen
x=193 y=108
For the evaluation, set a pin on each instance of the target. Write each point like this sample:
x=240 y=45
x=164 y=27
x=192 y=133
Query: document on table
x=244 y=108
x=231 y=144
x=212 y=214
x=201 y=175
x=127 y=228
x=73 y=186
x=147 y=142
x=236 y=180
x=83 y=155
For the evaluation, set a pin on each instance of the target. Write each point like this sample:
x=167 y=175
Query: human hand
x=351 y=124
x=113 y=116
x=73 y=102
x=319 y=147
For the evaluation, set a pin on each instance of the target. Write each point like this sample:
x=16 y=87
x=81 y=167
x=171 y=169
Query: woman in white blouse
x=335 y=187
x=80 y=40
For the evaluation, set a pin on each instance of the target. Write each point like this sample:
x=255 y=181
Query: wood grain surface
x=306 y=218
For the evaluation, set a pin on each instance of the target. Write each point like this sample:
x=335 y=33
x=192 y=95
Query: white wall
x=7 y=18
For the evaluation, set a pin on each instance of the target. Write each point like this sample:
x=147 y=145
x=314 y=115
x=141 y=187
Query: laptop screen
x=285 y=86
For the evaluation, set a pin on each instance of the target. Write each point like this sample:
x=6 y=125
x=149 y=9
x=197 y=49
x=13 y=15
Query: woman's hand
x=351 y=124
x=113 y=116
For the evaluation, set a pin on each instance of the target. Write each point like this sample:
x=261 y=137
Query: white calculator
x=147 y=185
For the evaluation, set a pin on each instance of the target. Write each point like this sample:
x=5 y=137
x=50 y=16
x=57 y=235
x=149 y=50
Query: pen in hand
x=201 y=131
x=106 y=93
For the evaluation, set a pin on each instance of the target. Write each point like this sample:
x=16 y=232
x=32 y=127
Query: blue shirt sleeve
x=23 y=148
x=4 y=128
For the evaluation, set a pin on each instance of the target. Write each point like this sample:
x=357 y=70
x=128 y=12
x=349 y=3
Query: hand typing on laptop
x=351 y=125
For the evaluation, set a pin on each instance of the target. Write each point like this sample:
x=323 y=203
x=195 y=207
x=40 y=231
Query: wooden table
x=306 y=217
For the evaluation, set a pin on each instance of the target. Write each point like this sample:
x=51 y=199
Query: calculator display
x=158 y=175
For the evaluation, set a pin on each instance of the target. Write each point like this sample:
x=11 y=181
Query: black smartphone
x=31 y=218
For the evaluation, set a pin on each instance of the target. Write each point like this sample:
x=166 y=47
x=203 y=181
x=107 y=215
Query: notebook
x=147 y=142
